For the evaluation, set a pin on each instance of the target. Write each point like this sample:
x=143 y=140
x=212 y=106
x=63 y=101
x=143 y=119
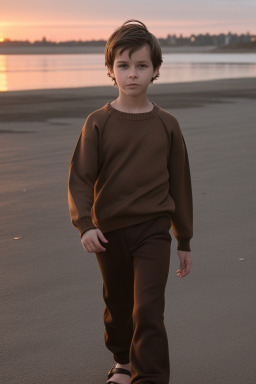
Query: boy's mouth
x=132 y=85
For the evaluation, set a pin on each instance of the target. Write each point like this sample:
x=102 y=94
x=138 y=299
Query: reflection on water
x=20 y=72
x=3 y=74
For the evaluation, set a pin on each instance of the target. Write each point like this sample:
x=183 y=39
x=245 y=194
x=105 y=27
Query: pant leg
x=135 y=269
x=117 y=273
x=150 y=248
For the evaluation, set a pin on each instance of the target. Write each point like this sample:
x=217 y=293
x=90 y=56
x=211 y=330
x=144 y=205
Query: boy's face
x=137 y=70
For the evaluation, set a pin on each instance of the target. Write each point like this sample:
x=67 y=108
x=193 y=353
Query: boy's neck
x=132 y=105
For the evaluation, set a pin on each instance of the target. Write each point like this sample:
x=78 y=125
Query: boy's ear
x=156 y=71
x=111 y=72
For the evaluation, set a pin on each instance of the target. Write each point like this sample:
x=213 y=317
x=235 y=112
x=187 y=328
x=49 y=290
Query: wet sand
x=41 y=105
x=52 y=305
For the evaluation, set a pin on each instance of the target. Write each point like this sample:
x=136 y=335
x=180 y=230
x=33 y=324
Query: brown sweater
x=128 y=168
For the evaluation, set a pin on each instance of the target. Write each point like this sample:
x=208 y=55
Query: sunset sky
x=82 y=19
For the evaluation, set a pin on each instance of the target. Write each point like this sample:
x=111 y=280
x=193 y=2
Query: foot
x=121 y=378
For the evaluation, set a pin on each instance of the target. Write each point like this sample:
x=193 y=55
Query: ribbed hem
x=84 y=224
x=183 y=245
x=133 y=116
x=125 y=221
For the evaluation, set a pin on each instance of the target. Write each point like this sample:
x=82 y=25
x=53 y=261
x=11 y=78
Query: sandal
x=114 y=370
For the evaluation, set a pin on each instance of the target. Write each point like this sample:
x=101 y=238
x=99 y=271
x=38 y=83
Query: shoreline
x=44 y=104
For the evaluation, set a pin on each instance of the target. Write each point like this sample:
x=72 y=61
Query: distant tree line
x=48 y=43
x=207 y=39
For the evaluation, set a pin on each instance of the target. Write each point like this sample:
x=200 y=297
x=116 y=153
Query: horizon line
x=102 y=39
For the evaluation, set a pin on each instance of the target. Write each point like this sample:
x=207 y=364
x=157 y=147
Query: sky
x=93 y=20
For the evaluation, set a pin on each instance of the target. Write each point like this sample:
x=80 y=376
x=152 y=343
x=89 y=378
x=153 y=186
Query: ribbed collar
x=133 y=116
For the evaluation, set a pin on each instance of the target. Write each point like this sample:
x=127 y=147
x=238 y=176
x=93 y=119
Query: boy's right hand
x=90 y=241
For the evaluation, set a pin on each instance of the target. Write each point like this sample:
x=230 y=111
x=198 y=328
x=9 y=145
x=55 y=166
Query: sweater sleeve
x=83 y=173
x=180 y=190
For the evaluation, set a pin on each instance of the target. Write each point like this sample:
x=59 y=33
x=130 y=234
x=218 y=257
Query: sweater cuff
x=183 y=245
x=84 y=224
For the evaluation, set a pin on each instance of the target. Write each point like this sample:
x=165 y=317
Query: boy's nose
x=133 y=73
x=133 y=76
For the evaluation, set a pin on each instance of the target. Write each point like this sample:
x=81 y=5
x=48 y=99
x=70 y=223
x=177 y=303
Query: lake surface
x=23 y=72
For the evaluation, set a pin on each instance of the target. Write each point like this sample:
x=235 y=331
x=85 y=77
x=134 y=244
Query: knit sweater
x=127 y=168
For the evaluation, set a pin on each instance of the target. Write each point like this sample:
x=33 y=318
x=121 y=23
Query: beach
x=52 y=304
x=41 y=105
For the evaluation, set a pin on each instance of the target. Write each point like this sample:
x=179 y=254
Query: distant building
x=227 y=39
x=171 y=40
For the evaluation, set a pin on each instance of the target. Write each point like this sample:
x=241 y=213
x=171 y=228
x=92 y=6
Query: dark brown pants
x=135 y=269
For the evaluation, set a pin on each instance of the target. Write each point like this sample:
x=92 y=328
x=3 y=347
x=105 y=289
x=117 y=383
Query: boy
x=129 y=182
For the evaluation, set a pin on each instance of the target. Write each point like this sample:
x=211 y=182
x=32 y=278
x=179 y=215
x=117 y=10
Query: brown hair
x=133 y=37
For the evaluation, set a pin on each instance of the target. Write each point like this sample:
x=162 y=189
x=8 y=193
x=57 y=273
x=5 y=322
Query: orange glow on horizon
x=97 y=30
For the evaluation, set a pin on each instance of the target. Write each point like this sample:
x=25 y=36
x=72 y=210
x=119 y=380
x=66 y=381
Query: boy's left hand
x=185 y=263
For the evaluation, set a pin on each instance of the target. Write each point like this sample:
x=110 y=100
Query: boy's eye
x=125 y=65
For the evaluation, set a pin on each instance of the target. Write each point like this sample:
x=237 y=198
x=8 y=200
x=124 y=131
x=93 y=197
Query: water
x=23 y=72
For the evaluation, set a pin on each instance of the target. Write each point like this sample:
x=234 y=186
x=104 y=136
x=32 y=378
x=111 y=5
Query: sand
x=51 y=290
x=41 y=105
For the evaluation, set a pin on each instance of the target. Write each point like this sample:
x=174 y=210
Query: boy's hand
x=90 y=240
x=185 y=263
